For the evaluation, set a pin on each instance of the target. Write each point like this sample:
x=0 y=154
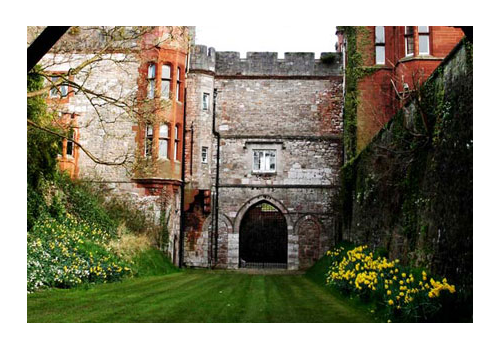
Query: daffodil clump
x=405 y=294
x=67 y=252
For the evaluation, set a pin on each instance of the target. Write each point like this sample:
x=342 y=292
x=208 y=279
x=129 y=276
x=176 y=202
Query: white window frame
x=204 y=155
x=428 y=35
x=264 y=167
x=379 y=42
x=406 y=36
x=164 y=138
x=205 y=102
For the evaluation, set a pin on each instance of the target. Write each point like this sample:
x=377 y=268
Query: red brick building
x=392 y=61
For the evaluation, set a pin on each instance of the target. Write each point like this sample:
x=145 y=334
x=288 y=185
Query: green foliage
x=70 y=231
x=347 y=191
x=64 y=252
x=152 y=262
x=357 y=40
x=328 y=58
x=84 y=204
x=36 y=206
x=42 y=146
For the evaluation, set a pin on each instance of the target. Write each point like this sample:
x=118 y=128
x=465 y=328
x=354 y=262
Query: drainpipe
x=192 y=140
x=183 y=183
x=215 y=228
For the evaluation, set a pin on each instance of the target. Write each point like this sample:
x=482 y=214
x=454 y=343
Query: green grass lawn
x=196 y=296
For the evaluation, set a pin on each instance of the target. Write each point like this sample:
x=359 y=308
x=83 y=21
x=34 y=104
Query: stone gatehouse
x=241 y=155
x=275 y=138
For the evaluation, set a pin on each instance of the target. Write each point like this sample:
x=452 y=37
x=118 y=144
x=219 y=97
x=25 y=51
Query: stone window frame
x=166 y=79
x=166 y=139
x=256 y=145
x=261 y=170
x=151 y=81
x=179 y=84
x=207 y=106
x=70 y=145
x=72 y=124
x=148 y=140
x=204 y=154
x=177 y=140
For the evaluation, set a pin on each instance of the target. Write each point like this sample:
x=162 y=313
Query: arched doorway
x=263 y=239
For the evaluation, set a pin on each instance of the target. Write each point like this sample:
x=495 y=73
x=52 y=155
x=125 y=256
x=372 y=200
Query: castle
x=240 y=157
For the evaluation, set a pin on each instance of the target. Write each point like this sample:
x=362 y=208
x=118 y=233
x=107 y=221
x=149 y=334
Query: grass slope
x=195 y=296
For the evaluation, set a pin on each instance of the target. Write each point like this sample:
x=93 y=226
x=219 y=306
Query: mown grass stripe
x=198 y=296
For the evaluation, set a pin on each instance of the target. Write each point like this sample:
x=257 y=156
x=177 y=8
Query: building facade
x=391 y=62
x=266 y=157
x=123 y=95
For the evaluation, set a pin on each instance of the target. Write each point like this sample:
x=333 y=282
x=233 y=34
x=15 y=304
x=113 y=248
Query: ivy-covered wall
x=410 y=190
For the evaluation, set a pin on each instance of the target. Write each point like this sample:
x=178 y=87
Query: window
x=176 y=143
x=164 y=139
x=178 y=84
x=206 y=101
x=151 y=81
x=56 y=91
x=149 y=140
x=409 y=41
x=204 y=155
x=70 y=146
x=165 y=81
x=379 y=45
x=423 y=40
x=264 y=161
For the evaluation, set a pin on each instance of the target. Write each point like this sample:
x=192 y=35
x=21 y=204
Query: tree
x=96 y=66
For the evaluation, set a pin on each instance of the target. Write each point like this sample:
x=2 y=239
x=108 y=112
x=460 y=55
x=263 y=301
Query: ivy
x=357 y=39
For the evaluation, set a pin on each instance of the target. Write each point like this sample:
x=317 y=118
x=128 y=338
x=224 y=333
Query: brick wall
x=377 y=94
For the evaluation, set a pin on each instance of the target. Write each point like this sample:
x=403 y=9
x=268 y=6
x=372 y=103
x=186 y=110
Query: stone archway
x=263 y=239
x=292 y=246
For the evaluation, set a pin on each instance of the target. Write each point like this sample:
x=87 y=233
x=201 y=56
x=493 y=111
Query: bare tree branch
x=90 y=155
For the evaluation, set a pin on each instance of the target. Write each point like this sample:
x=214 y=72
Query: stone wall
x=292 y=106
x=267 y=63
x=112 y=134
x=104 y=130
x=414 y=180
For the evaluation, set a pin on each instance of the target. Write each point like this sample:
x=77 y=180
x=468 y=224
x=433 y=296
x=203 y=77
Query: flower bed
x=399 y=292
x=67 y=252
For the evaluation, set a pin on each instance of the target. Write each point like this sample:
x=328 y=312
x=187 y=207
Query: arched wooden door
x=263 y=237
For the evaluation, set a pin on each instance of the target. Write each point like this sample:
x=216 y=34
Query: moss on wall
x=357 y=56
x=410 y=190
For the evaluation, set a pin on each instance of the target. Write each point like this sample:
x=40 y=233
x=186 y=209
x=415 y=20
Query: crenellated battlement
x=202 y=58
x=265 y=63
